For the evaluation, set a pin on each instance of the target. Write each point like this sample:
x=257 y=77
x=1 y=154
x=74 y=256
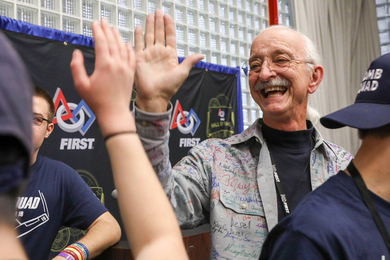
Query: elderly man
x=245 y=184
x=349 y=216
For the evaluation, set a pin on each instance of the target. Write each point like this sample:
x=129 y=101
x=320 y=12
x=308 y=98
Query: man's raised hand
x=159 y=74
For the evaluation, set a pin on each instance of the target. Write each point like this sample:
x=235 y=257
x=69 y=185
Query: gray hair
x=312 y=115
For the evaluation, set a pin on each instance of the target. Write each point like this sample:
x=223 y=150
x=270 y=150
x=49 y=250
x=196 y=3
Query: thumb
x=191 y=60
x=80 y=77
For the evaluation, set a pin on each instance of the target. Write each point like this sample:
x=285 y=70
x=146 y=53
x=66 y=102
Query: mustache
x=278 y=81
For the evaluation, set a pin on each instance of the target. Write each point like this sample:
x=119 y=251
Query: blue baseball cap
x=372 y=104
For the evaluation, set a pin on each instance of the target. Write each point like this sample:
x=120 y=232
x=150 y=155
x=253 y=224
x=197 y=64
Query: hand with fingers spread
x=108 y=90
x=158 y=74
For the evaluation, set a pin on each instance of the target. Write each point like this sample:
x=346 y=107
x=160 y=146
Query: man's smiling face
x=282 y=93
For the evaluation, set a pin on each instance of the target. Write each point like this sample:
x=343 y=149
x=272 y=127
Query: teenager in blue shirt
x=57 y=196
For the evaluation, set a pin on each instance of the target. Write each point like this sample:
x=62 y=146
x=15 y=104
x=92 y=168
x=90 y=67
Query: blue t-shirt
x=332 y=222
x=55 y=196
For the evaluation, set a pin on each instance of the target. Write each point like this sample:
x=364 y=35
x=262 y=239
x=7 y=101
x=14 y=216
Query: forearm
x=101 y=235
x=153 y=130
x=137 y=186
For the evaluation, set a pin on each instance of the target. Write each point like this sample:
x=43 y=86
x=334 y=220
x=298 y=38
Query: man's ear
x=49 y=130
x=316 y=78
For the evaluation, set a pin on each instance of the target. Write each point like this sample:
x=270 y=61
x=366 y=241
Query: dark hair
x=381 y=132
x=40 y=92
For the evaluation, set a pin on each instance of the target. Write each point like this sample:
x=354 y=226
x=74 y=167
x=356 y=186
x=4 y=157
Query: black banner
x=204 y=107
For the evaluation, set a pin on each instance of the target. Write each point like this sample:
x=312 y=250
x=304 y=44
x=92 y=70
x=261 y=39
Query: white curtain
x=346 y=33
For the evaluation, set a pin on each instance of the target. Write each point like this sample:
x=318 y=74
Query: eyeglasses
x=277 y=65
x=38 y=120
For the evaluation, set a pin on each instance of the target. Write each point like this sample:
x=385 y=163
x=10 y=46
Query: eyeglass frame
x=41 y=117
x=246 y=70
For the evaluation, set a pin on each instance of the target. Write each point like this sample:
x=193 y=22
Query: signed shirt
x=228 y=183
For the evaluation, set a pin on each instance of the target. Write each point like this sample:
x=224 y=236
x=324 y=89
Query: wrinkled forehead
x=279 y=41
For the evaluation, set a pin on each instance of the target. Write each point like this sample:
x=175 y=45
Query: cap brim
x=359 y=115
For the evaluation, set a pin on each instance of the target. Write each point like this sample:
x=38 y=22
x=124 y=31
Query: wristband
x=78 y=255
x=71 y=253
x=82 y=246
x=66 y=256
x=79 y=250
x=119 y=133
x=75 y=251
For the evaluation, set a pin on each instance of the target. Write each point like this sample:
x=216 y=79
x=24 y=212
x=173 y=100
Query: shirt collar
x=254 y=136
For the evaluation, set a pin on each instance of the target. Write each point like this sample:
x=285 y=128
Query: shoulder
x=316 y=212
x=56 y=166
x=337 y=153
x=322 y=224
x=284 y=243
x=221 y=148
x=236 y=139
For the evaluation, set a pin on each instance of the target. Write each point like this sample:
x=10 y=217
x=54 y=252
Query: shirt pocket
x=242 y=214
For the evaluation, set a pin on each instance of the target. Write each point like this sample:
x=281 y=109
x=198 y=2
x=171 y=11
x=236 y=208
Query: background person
x=57 y=196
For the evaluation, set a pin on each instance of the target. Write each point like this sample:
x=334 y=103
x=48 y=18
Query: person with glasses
x=349 y=216
x=55 y=196
x=245 y=184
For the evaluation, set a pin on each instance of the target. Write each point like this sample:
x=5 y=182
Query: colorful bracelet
x=66 y=256
x=84 y=248
x=80 y=251
x=75 y=251
x=70 y=252
x=119 y=133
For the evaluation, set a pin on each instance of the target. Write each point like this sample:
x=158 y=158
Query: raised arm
x=108 y=91
x=158 y=77
x=159 y=74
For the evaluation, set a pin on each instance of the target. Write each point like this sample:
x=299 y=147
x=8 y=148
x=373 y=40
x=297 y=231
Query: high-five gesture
x=159 y=74
x=108 y=90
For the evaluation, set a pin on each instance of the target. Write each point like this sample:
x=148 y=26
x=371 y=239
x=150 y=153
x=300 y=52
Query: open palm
x=158 y=73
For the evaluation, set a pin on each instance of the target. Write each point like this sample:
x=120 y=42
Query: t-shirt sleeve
x=82 y=207
x=290 y=245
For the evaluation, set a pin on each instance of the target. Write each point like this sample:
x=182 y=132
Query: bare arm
x=102 y=233
x=10 y=247
x=141 y=198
